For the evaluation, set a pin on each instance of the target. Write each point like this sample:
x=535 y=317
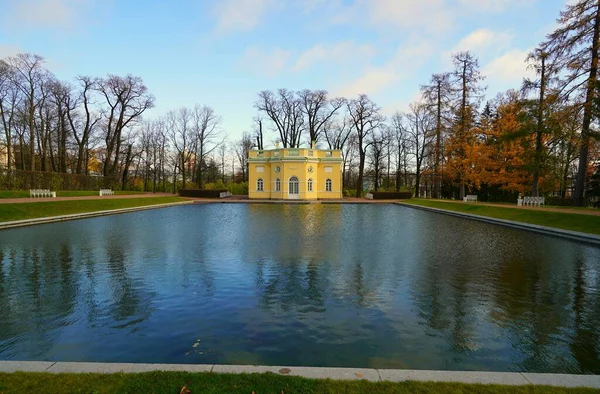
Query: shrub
x=391 y=195
x=238 y=189
x=201 y=193
x=349 y=192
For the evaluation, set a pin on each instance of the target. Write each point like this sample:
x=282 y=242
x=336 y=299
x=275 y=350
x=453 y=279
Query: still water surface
x=321 y=285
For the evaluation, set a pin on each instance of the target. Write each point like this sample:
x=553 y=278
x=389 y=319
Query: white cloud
x=62 y=14
x=481 y=40
x=240 y=15
x=265 y=63
x=9 y=50
x=407 y=59
x=338 y=53
x=492 y=6
x=508 y=68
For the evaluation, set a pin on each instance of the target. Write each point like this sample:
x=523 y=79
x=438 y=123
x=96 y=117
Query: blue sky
x=222 y=53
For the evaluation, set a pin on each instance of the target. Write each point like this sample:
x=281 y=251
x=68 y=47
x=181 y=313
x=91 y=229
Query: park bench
x=531 y=201
x=470 y=198
x=369 y=196
x=106 y=192
x=33 y=193
x=224 y=194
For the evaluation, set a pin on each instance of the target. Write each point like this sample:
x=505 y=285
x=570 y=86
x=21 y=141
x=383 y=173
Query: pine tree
x=573 y=48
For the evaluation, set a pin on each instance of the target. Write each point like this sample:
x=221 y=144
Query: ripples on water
x=325 y=285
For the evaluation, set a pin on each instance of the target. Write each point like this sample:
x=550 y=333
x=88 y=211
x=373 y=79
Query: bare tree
x=9 y=103
x=420 y=133
x=127 y=99
x=258 y=132
x=379 y=145
x=285 y=112
x=83 y=124
x=28 y=75
x=178 y=126
x=364 y=117
x=222 y=151
x=318 y=110
x=241 y=148
x=401 y=147
x=205 y=126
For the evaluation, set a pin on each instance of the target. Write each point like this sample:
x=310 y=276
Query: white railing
x=531 y=201
x=470 y=198
x=369 y=196
x=41 y=193
x=224 y=194
x=106 y=192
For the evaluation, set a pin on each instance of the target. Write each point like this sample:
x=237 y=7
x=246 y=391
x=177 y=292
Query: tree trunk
x=361 y=167
x=438 y=142
x=539 y=131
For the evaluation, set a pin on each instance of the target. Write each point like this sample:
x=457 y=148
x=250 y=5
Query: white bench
x=470 y=197
x=106 y=192
x=224 y=194
x=33 y=193
x=369 y=196
x=531 y=201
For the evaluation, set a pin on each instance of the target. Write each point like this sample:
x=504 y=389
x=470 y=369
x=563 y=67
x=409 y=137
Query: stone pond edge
x=552 y=231
x=85 y=215
x=375 y=375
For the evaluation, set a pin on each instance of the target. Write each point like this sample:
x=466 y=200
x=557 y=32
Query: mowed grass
x=31 y=210
x=173 y=382
x=563 y=220
x=60 y=193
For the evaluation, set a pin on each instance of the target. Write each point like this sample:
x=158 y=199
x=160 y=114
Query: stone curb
x=573 y=235
x=374 y=375
x=53 y=219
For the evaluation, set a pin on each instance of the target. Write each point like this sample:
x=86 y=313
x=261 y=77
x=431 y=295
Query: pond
x=379 y=286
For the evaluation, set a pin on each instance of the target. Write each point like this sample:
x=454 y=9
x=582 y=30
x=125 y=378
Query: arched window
x=293 y=186
x=310 y=184
x=260 y=185
x=328 y=185
x=277 y=185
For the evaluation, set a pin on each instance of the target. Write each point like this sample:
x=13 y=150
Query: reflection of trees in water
x=130 y=299
x=291 y=285
x=37 y=294
x=585 y=344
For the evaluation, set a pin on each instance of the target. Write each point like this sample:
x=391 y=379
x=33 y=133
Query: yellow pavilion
x=295 y=174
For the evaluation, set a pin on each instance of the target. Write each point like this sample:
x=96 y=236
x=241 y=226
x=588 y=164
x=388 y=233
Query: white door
x=294 y=189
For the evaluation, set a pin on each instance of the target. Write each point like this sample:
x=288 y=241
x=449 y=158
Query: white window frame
x=260 y=185
x=328 y=185
x=277 y=185
x=310 y=184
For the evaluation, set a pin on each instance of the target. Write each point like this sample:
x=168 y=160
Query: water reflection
x=328 y=285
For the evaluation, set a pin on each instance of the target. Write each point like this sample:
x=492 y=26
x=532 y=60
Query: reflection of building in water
x=295 y=173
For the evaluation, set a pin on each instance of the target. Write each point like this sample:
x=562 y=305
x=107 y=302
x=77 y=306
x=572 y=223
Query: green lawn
x=567 y=221
x=173 y=382
x=59 y=193
x=30 y=210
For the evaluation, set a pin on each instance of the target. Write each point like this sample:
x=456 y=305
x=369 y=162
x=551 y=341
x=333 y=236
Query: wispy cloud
x=265 y=63
x=334 y=54
x=54 y=14
x=508 y=68
x=240 y=15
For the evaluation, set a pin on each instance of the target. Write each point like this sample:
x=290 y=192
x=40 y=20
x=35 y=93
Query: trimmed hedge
x=559 y=201
x=201 y=193
x=391 y=195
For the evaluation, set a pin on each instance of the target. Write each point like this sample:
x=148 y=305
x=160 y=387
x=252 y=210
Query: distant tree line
x=538 y=138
